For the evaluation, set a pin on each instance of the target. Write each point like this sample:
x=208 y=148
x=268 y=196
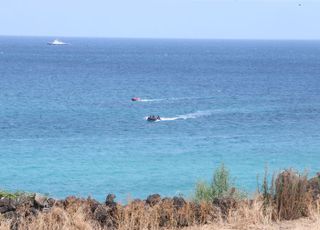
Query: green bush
x=220 y=182
x=203 y=192
x=220 y=187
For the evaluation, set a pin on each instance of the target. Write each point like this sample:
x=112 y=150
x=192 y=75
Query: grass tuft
x=14 y=195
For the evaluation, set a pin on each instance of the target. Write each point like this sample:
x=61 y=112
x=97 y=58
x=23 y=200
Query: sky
x=207 y=19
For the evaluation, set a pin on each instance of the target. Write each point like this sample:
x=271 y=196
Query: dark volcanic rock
x=101 y=214
x=105 y=217
x=225 y=204
x=51 y=202
x=110 y=201
x=7 y=205
x=178 y=202
x=4 y=202
x=25 y=201
x=314 y=186
x=153 y=199
x=92 y=204
x=112 y=210
x=110 y=198
x=33 y=211
x=40 y=201
x=4 y=209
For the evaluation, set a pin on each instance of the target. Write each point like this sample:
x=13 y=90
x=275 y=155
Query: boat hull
x=153 y=119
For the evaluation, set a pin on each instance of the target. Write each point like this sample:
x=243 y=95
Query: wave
x=187 y=116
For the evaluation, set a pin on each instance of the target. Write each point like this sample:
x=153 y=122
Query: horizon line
x=161 y=38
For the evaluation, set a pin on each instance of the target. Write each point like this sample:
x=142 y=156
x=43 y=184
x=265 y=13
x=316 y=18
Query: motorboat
x=136 y=99
x=57 y=42
x=153 y=118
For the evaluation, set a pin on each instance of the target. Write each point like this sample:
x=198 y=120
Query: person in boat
x=136 y=99
x=153 y=118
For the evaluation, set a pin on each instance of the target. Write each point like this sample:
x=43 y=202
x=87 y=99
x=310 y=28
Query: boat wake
x=174 y=99
x=187 y=116
x=151 y=100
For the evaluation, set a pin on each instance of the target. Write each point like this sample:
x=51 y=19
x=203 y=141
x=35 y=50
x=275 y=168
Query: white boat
x=57 y=42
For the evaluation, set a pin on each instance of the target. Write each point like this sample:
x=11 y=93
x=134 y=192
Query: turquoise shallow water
x=67 y=125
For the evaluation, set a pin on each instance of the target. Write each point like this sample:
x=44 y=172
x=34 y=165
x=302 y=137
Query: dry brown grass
x=137 y=215
x=56 y=219
x=247 y=215
x=253 y=217
x=292 y=197
x=4 y=224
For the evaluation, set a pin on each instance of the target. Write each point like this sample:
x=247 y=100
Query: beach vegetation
x=221 y=186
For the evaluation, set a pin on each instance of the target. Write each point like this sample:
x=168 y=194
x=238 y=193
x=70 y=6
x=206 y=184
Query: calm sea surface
x=67 y=125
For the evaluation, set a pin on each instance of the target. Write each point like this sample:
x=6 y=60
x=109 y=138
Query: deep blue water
x=67 y=125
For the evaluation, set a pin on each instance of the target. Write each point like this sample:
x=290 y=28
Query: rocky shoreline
x=155 y=212
x=107 y=214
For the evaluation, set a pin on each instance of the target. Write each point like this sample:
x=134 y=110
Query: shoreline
x=297 y=199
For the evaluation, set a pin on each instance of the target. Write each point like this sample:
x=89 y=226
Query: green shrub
x=203 y=192
x=220 y=182
x=220 y=187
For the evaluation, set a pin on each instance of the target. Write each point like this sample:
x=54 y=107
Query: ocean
x=68 y=125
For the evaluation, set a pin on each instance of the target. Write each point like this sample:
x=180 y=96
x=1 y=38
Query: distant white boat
x=57 y=42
